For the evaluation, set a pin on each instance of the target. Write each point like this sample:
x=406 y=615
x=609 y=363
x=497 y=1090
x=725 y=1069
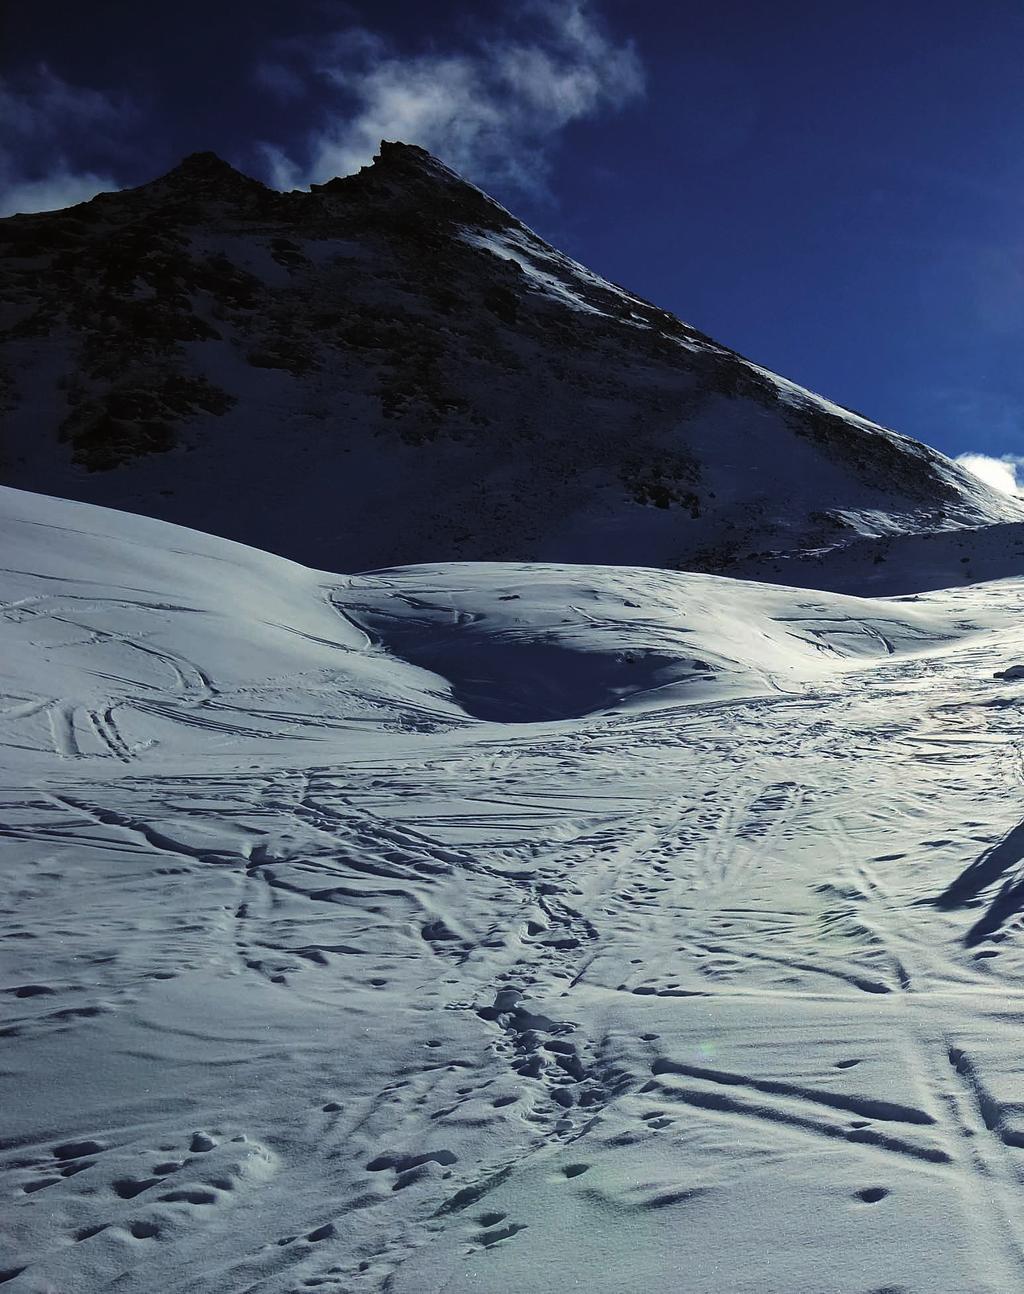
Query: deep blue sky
x=836 y=190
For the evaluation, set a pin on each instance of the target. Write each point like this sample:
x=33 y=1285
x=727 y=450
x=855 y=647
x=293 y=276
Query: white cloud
x=61 y=188
x=492 y=109
x=998 y=473
x=42 y=114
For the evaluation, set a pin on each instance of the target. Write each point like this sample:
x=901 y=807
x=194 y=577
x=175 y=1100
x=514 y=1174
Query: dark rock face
x=392 y=368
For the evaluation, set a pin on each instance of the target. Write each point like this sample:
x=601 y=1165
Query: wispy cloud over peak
x=492 y=108
x=43 y=117
x=998 y=473
x=60 y=188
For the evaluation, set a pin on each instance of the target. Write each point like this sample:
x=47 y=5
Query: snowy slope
x=395 y=345
x=494 y=927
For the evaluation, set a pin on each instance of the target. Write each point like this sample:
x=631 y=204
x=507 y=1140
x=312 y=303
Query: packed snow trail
x=316 y=980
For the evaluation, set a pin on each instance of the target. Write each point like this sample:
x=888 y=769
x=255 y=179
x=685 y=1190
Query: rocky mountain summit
x=392 y=368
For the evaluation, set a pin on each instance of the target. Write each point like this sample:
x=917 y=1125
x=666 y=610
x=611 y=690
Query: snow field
x=491 y=927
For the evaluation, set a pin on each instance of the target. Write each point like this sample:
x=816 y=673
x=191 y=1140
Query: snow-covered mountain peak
x=202 y=184
x=397 y=163
x=197 y=167
x=414 y=375
x=406 y=184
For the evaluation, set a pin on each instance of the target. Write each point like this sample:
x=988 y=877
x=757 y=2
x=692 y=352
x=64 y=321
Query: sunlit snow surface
x=497 y=928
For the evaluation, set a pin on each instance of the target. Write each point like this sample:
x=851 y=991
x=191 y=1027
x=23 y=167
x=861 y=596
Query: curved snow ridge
x=535 y=642
x=129 y=639
x=126 y=637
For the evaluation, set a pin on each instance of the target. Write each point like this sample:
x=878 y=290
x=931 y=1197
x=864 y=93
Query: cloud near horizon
x=492 y=109
x=998 y=473
x=43 y=115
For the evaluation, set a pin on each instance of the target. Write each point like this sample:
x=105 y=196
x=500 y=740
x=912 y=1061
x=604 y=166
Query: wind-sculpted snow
x=536 y=642
x=477 y=928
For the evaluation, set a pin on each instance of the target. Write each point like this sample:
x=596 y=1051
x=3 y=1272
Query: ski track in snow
x=313 y=982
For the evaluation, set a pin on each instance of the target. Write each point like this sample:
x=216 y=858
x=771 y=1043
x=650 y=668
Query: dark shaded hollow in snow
x=514 y=678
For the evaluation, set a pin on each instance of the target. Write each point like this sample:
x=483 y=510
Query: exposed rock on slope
x=392 y=368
